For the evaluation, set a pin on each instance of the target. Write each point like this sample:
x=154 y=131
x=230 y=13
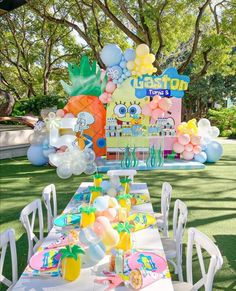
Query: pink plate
x=45 y=260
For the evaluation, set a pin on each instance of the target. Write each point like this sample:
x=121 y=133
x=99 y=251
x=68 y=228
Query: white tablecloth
x=147 y=239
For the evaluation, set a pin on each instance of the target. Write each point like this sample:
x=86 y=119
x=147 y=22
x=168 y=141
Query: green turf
x=210 y=195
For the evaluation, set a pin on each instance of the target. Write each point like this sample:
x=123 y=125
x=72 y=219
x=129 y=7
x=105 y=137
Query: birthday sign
x=168 y=84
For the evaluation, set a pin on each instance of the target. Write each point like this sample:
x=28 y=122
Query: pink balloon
x=178 y=148
x=165 y=104
x=188 y=155
x=188 y=147
x=101 y=225
x=60 y=113
x=146 y=110
x=184 y=139
x=156 y=98
x=152 y=105
x=110 y=213
x=197 y=149
x=195 y=139
x=103 y=97
x=103 y=73
x=110 y=87
x=157 y=113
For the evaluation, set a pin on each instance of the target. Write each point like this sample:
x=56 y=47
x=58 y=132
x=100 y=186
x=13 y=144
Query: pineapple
x=85 y=89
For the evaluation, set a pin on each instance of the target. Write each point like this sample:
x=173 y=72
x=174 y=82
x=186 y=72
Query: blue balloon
x=123 y=64
x=106 y=185
x=128 y=74
x=111 y=55
x=35 y=155
x=214 y=151
x=100 y=203
x=120 y=80
x=201 y=157
x=203 y=147
x=129 y=55
x=88 y=237
x=97 y=252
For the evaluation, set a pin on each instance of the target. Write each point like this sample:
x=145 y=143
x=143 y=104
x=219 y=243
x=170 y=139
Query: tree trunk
x=7 y=102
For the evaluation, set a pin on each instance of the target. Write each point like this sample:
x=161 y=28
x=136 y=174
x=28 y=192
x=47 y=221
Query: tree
x=33 y=52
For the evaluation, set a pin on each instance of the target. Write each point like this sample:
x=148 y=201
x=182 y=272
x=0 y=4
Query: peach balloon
x=156 y=98
x=184 y=139
x=110 y=239
x=188 y=147
x=157 y=113
x=153 y=105
x=110 y=213
x=195 y=139
x=178 y=148
x=197 y=149
x=60 y=113
x=165 y=104
x=188 y=155
x=112 y=202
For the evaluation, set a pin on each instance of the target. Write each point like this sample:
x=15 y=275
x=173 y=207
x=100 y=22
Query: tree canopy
x=197 y=37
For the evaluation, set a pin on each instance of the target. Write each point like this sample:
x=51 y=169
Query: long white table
x=147 y=239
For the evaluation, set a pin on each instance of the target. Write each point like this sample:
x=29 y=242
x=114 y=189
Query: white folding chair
x=173 y=246
x=32 y=208
x=6 y=237
x=49 y=191
x=201 y=241
x=162 y=218
x=114 y=176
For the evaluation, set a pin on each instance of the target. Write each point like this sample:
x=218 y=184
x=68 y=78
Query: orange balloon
x=96 y=131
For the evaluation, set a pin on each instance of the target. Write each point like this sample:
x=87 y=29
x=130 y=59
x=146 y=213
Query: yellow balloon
x=137 y=61
x=142 y=50
x=130 y=65
x=150 y=58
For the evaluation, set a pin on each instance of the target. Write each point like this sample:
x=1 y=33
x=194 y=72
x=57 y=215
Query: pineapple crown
x=85 y=79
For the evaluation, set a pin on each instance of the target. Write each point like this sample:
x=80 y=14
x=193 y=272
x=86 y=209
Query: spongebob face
x=126 y=111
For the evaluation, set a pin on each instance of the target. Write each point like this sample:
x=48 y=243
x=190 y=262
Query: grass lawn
x=210 y=195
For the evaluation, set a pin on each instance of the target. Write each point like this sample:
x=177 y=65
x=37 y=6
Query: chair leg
x=174 y=265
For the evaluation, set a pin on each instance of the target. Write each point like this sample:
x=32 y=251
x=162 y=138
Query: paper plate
x=146 y=261
x=67 y=219
x=141 y=220
x=139 y=198
x=45 y=260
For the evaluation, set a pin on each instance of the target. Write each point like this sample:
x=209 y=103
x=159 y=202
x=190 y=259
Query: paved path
x=224 y=140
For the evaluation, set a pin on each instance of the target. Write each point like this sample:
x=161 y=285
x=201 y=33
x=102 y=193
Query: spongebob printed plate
x=67 y=219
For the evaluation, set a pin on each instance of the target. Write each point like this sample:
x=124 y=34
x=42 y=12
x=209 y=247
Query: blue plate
x=67 y=219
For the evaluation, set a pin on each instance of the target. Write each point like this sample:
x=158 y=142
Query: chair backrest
x=115 y=175
x=180 y=217
x=48 y=193
x=32 y=208
x=165 y=205
x=201 y=241
x=6 y=237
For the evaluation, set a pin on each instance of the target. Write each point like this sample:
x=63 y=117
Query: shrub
x=225 y=120
x=35 y=104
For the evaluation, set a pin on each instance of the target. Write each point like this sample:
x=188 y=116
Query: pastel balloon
x=112 y=203
x=204 y=123
x=110 y=239
x=214 y=132
x=130 y=65
x=201 y=157
x=197 y=149
x=184 y=139
x=96 y=252
x=195 y=139
x=178 y=148
x=100 y=203
x=142 y=50
x=129 y=54
x=165 y=104
x=214 y=151
x=157 y=113
x=188 y=147
x=156 y=98
x=188 y=155
x=87 y=236
x=111 y=55
x=110 y=213
x=153 y=105
x=106 y=185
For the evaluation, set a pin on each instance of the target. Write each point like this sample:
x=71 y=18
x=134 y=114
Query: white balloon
x=215 y=132
x=77 y=167
x=204 y=123
x=89 y=155
x=64 y=170
x=90 y=169
x=112 y=192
